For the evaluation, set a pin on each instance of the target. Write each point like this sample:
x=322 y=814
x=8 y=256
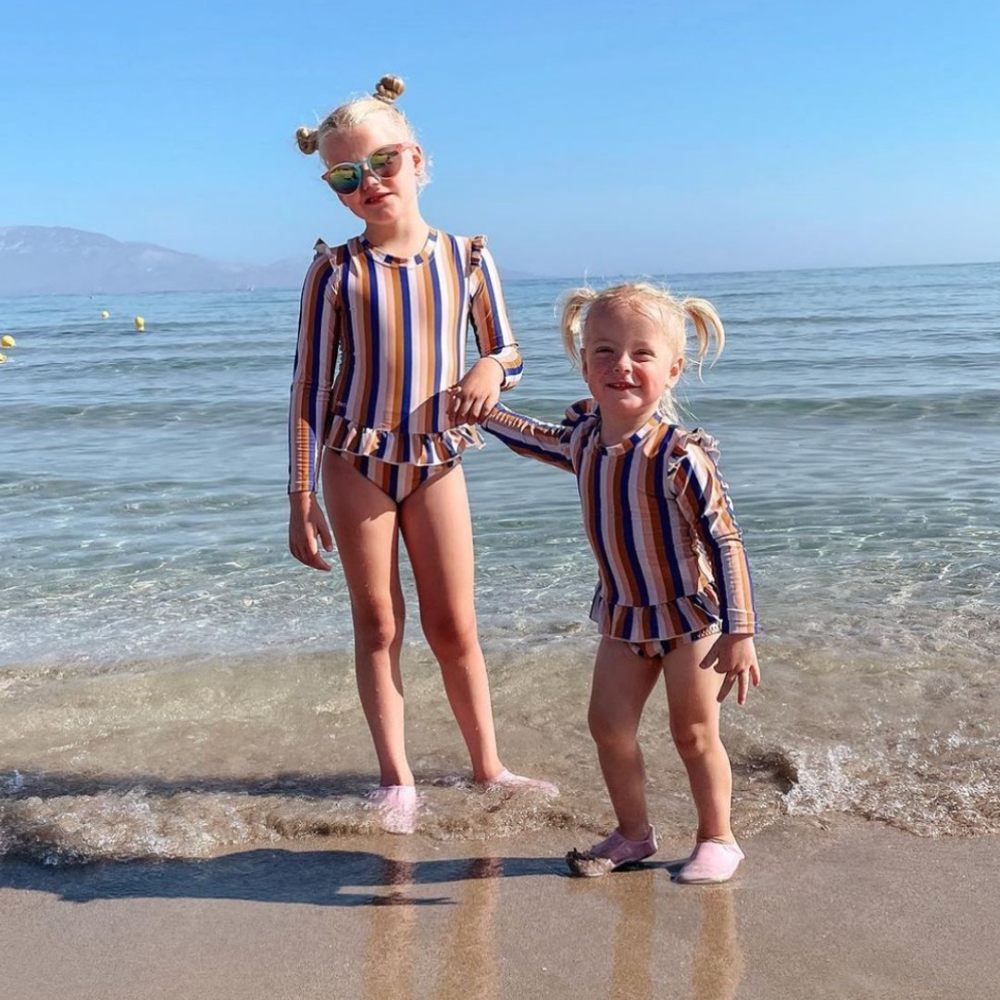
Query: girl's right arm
x=315 y=357
x=549 y=443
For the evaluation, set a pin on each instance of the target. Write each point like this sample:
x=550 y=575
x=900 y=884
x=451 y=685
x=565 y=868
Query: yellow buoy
x=140 y=323
x=7 y=341
x=3 y=358
x=105 y=314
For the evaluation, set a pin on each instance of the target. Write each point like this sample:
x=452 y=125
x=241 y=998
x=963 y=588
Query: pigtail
x=707 y=327
x=574 y=304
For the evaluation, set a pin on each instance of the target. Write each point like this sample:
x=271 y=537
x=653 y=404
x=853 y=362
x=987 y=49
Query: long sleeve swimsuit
x=381 y=339
x=670 y=555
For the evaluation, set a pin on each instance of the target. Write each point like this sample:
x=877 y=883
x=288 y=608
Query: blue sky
x=584 y=138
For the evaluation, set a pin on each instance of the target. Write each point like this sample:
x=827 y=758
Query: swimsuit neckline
x=627 y=444
x=391 y=260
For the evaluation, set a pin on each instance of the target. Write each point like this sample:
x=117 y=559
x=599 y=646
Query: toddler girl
x=674 y=595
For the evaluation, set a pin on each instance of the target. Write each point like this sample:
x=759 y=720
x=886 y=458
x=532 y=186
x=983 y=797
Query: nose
x=621 y=363
x=368 y=176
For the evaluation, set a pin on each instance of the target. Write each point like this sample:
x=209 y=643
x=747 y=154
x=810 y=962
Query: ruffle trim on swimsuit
x=683 y=439
x=396 y=448
x=690 y=613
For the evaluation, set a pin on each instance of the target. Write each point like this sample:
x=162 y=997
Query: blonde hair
x=382 y=101
x=671 y=314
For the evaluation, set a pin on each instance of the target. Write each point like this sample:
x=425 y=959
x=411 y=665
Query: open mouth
x=374 y=199
x=622 y=385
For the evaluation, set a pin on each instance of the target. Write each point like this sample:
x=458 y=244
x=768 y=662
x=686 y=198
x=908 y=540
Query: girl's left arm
x=704 y=500
x=494 y=335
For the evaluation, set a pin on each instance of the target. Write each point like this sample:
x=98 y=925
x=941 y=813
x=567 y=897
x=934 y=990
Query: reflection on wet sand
x=470 y=967
x=466 y=950
x=468 y=954
x=717 y=966
x=632 y=961
x=388 y=966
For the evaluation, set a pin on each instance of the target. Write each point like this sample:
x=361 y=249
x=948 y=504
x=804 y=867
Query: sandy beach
x=841 y=910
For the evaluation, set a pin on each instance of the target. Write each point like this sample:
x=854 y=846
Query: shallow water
x=171 y=681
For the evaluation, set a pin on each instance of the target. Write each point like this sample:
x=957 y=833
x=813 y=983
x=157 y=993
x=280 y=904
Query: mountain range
x=49 y=260
x=53 y=260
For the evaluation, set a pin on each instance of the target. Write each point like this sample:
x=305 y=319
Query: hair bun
x=388 y=89
x=306 y=138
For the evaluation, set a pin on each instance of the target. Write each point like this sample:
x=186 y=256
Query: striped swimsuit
x=399 y=327
x=671 y=562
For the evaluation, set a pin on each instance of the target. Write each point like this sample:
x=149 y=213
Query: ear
x=418 y=160
x=675 y=371
x=583 y=362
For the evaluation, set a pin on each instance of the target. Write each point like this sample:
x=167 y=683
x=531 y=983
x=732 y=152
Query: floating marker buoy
x=105 y=314
x=140 y=323
x=7 y=341
x=3 y=358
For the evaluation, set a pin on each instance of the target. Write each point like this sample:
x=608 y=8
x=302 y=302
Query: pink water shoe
x=615 y=852
x=397 y=807
x=507 y=779
x=712 y=861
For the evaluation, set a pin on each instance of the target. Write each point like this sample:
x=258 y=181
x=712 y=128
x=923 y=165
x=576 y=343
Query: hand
x=477 y=393
x=734 y=655
x=306 y=524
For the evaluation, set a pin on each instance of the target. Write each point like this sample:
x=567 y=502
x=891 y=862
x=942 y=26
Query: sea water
x=173 y=682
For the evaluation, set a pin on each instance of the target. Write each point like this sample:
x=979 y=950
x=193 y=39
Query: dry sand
x=849 y=910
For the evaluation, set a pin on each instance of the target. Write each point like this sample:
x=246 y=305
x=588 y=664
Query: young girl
x=394 y=303
x=674 y=595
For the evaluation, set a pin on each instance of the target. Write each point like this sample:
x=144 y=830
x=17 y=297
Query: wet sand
x=842 y=910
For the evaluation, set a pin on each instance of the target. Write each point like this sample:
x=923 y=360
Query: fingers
x=727 y=686
x=741 y=696
x=468 y=408
x=324 y=535
x=711 y=657
x=306 y=551
x=454 y=400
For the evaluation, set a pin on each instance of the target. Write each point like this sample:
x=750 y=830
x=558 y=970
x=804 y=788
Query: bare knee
x=378 y=626
x=610 y=733
x=693 y=739
x=450 y=638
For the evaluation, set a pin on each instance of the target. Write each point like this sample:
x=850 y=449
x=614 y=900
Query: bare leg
x=694 y=725
x=622 y=683
x=437 y=530
x=365 y=526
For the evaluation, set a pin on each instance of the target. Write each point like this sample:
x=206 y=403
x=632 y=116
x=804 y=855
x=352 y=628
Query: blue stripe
x=316 y=337
x=375 y=339
x=347 y=342
x=438 y=342
x=676 y=577
x=626 y=512
x=404 y=404
x=461 y=306
x=497 y=318
x=627 y=624
x=594 y=485
x=709 y=539
x=531 y=450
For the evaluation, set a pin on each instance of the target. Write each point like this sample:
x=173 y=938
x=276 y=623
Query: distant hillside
x=52 y=260
x=46 y=260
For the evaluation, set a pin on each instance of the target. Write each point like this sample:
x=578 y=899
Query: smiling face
x=628 y=361
x=379 y=201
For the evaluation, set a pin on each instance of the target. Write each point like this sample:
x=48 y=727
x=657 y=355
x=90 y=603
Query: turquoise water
x=143 y=511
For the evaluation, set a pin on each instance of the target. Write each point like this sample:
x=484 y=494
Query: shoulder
x=583 y=414
x=695 y=446
x=322 y=275
x=472 y=248
x=324 y=254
